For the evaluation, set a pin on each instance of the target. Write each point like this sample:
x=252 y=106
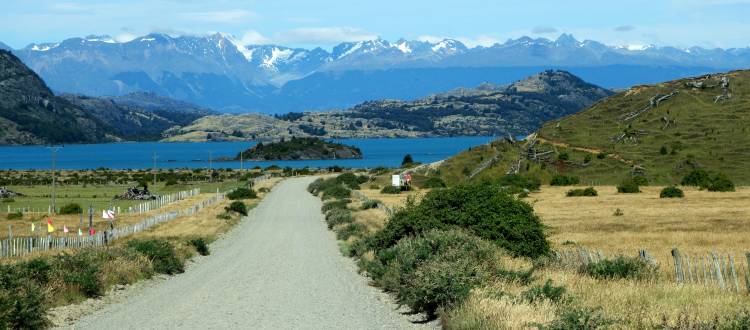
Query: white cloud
x=253 y=37
x=221 y=16
x=323 y=35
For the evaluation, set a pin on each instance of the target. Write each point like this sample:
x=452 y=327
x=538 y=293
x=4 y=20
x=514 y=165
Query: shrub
x=371 y=204
x=408 y=160
x=224 y=216
x=242 y=193
x=264 y=190
x=171 y=182
x=161 y=253
x=721 y=183
x=601 y=155
x=696 y=178
x=487 y=211
x=579 y=318
x=628 y=186
x=587 y=159
x=588 y=192
x=432 y=183
x=518 y=182
x=564 y=180
x=336 y=204
x=671 y=192
x=8 y=200
x=563 y=156
x=640 y=180
x=238 y=207
x=71 y=208
x=618 y=268
x=14 y=215
x=349 y=180
x=338 y=217
x=437 y=269
x=337 y=192
x=351 y=229
x=541 y=292
x=23 y=303
x=391 y=190
x=200 y=246
x=663 y=150
x=81 y=271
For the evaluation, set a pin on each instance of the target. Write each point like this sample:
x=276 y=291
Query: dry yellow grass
x=394 y=200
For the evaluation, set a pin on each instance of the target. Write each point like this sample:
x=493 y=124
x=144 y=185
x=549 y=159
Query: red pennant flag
x=92 y=231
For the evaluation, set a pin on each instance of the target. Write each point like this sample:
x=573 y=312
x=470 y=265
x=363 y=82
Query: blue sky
x=707 y=23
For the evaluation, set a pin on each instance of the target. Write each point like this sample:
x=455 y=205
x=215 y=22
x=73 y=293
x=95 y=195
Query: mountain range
x=217 y=71
x=30 y=113
x=518 y=108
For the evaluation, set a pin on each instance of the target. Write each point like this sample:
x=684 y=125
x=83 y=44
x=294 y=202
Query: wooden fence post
x=717 y=268
x=678 y=265
x=747 y=276
x=734 y=274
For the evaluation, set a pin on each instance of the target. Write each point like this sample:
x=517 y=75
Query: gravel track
x=278 y=269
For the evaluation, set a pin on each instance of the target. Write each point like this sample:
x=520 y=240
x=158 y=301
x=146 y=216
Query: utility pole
x=54 y=177
x=155 y=157
x=210 y=168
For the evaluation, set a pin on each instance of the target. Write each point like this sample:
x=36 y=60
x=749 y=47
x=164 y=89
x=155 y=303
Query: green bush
x=564 y=180
x=671 y=192
x=391 y=190
x=588 y=192
x=264 y=190
x=238 y=207
x=696 y=178
x=14 y=215
x=242 y=193
x=81 y=270
x=161 y=253
x=200 y=246
x=371 y=204
x=337 y=192
x=563 y=156
x=338 y=216
x=618 y=268
x=640 y=180
x=8 y=200
x=487 y=211
x=579 y=318
x=171 y=182
x=335 y=204
x=224 y=216
x=349 y=180
x=587 y=159
x=541 y=292
x=351 y=229
x=433 y=183
x=517 y=182
x=71 y=208
x=601 y=155
x=628 y=186
x=23 y=303
x=408 y=160
x=721 y=183
x=437 y=269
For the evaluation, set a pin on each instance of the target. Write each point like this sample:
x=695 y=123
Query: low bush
x=435 y=270
x=564 y=180
x=81 y=270
x=547 y=291
x=640 y=180
x=628 y=186
x=224 y=216
x=8 y=200
x=242 y=193
x=671 y=192
x=238 y=207
x=487 y=211
x=391 y=190
x=351 y=229
x=23 y=302
x=14 y=215
x=721 y=183
x=337 y=192
x=371 y=204
x=161 y=253
x=519 y=182
x=264 y=190
x=579 y=318
x=619 y=268
x=338 y=217
x=200 y=246
x=71 y=208
x=335 y=204
x=433 y=183
x=588 y=192
x=171 y=182
x=349 y=180
x=696 y=178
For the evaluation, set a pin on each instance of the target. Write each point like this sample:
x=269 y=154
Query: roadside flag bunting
x=92 y=231
x=108 y=214
x=80 y=232
x=50 y=228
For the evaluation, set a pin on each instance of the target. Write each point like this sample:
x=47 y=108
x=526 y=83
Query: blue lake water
x=136 y=155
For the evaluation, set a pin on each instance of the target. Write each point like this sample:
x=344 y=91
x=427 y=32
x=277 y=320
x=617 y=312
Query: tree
x=407 y=160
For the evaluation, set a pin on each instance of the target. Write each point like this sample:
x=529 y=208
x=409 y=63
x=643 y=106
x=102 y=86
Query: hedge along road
x=281 y=268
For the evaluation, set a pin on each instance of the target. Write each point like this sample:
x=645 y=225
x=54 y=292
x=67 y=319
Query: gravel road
x=279 y=269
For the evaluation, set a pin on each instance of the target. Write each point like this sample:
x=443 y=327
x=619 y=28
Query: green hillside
x=659 y=131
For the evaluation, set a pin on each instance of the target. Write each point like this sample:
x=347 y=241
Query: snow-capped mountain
x=219 y=71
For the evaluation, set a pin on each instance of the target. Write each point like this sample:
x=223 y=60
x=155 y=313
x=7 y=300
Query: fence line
x=708 y=269
x=163 y=200
x=21 y=246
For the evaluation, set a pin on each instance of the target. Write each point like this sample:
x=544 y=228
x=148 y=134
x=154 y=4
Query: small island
x=300 y=149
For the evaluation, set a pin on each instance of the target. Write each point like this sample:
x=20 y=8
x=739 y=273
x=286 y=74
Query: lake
x=138 y=155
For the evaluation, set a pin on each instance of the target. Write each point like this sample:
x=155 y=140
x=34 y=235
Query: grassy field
x=699 y=223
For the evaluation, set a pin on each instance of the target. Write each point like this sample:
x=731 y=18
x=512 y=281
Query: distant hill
x=660 y=131
x=518 y=108
x=31 y=114
x=219 y=72
x=300 y=149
